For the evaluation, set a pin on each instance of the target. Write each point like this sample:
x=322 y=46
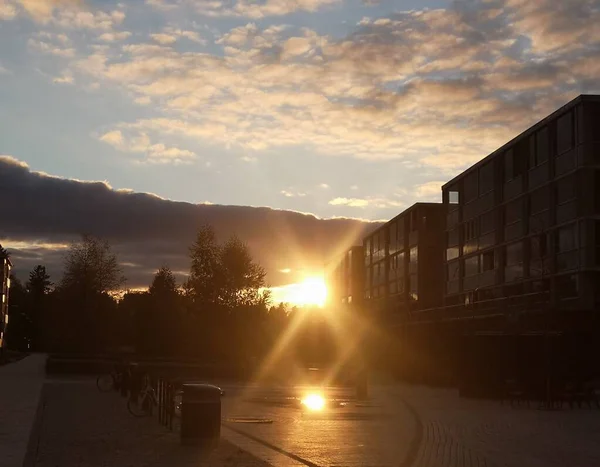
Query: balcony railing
x=505 y=306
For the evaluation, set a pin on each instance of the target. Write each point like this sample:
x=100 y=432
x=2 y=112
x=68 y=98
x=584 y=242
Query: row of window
x=375 y=274
x=375 y=246
x=564 y=240
x=527 y=153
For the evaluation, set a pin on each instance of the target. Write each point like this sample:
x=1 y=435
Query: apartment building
x=403 y=261
x=5 y=267
x=526 y=219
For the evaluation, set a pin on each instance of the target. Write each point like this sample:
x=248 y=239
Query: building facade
x=403 y=261
x=526 y=219
x=345 y=279
x=5 y=267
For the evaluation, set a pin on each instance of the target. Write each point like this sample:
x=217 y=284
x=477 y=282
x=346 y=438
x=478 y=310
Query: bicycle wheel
x=177 y=403
x=139 y=406
x=105 y=383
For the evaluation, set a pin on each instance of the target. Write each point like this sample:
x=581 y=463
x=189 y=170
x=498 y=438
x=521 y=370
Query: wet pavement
x=379 y=432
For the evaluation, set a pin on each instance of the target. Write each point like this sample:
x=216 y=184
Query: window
x=539 y=153
x=452 y=269
x=515 y=160
x=513 y=212
x=453 y=197
x=486 y=178
x=487 y=222
x=539 y=200
x=566 y=286
x=393 y=238
x=414 y=255
x=414 y=287
x=591 y=121
x=414 y=221
x=368 y=251
x=566 y=238
x=564 y=133
x=471 y=189
x=565 y=190
x=470 y=229
x=539 y=246
x=471 y=266
x=452 y=237
x=487 y=261
x=514 y=254
x=452 y=252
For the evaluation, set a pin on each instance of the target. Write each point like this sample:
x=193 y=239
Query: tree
x=39 y=283
x=244 y=280
x=205 y=281
x=91 y=266
x=18 y=332
x=163 y=284
x=92 y=275
x=224 y=277
x=38 y=287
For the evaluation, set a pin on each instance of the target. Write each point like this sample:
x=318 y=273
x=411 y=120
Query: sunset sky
x=333 y=107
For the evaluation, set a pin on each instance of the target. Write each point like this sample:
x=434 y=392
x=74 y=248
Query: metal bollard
x=201 y=415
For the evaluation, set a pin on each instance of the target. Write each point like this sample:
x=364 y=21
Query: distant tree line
x=222 y=312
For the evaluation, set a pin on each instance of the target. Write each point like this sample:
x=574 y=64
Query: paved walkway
x=20 y=388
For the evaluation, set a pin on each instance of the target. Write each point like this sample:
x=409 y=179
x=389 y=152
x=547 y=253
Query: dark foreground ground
x=78 y=426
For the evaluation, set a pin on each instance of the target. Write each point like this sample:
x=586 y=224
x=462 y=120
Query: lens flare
x=314 y=402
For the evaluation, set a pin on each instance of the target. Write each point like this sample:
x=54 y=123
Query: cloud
x=51 y=49
x=373 y=202
x=433 y=87
x=259 y=9
x=161 y=5
x=147 y=232
x=429 y=191
x=156 y=153
x=114 y=36
x=7 y=10
x=351 y=202
x=65 y=78
x=325 y=186
x=292 y=194
x=163 y=39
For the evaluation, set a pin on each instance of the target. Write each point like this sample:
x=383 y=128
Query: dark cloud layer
x=148 y=232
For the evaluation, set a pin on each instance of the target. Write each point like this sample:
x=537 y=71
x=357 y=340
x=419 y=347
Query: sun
x=311 y=291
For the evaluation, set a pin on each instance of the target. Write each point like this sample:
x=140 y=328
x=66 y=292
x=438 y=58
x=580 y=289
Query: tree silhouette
x=91 y=266
x=38 y=287
x=39 y=283
x=224 y=277
x=88 y=310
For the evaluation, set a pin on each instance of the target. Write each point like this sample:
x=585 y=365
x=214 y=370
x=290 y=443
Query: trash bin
x=201 y=414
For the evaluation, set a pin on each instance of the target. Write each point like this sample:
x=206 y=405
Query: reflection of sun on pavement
x=314 y=402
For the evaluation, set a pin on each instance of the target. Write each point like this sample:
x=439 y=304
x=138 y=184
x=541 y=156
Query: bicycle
x=142 y=403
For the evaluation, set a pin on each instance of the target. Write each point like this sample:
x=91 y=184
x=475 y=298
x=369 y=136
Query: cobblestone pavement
x=82 y=427
x=20 y=388
x=465 y=433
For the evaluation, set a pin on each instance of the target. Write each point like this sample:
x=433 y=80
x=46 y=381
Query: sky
x=339 y=108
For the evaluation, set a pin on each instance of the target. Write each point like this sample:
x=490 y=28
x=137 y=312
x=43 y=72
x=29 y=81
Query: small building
x=5 y=268
x=345 y=280
x=404 y=261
